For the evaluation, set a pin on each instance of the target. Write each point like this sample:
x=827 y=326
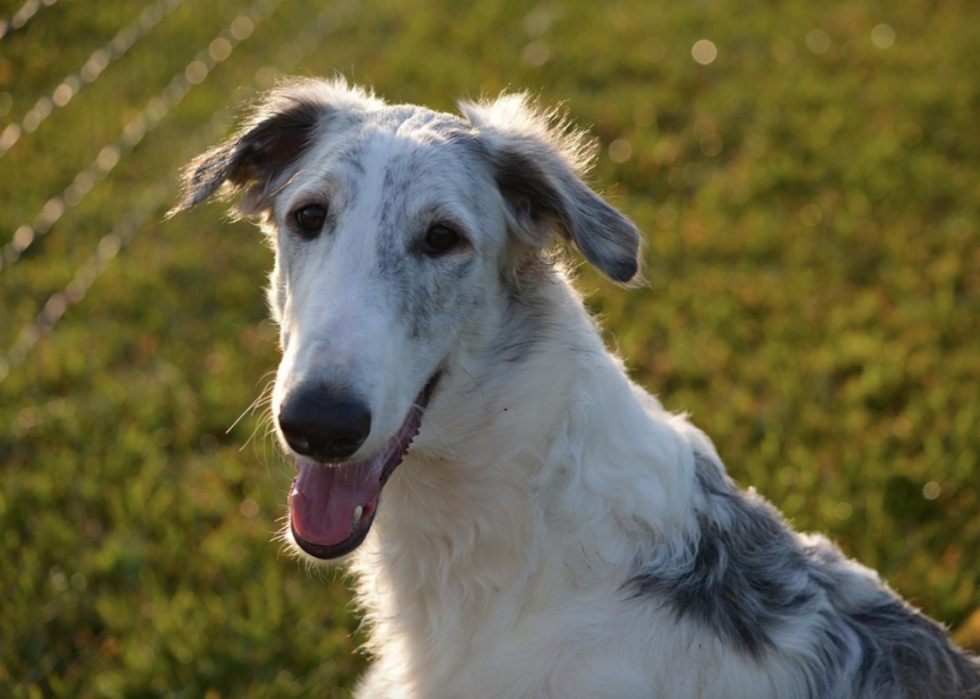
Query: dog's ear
x=275 y=135
x=538 y=163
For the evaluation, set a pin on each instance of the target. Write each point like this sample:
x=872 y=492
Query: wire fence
x=90 y=71
x=150 y=202
x=22 y=16
x=157 y=107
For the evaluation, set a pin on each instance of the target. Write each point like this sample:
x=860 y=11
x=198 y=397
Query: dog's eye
x=310 y=220
x=441 y=238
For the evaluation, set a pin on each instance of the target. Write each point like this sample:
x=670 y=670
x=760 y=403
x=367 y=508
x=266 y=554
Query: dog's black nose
x=322 y=424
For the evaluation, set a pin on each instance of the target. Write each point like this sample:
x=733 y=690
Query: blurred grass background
x=808 y=176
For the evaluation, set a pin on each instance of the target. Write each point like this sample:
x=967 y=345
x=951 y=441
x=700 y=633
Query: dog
x=521 y=518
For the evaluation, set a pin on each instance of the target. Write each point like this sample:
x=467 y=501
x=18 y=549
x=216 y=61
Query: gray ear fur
x=277 y=133
x=537 y=164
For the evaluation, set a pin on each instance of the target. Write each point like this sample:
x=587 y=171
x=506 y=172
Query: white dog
x=553 y=531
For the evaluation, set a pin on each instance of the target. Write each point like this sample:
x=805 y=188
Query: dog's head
x=400 y=234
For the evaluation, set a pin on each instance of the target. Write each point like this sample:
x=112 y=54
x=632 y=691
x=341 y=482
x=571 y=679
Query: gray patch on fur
x=744 y=577
x=528 y=323
x=422 y=283
x=747 y=576
x=902 y=653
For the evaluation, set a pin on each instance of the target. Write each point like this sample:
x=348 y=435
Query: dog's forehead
x=421 y=147
x=401 y=161
x=401 y=146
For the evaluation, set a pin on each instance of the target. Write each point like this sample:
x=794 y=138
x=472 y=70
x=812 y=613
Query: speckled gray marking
x=747 y=577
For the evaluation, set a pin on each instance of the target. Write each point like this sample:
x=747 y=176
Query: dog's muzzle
x=332 y=502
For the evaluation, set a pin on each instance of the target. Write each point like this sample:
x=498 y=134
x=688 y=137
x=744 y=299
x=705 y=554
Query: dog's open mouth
x=332 y=506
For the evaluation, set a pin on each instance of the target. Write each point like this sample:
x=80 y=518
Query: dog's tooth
x=358 y=511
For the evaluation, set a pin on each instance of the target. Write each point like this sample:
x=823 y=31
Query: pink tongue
x=323 y=499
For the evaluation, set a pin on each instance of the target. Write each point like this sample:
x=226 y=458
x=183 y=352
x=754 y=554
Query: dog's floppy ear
x=537 y=163
x=278 y=131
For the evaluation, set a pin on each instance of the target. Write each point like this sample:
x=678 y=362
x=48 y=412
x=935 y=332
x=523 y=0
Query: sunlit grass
x=807 y=179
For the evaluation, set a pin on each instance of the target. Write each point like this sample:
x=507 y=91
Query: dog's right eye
x=310 y=220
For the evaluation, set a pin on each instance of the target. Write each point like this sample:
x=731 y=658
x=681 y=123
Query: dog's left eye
x=441 y=238
x=310 y=220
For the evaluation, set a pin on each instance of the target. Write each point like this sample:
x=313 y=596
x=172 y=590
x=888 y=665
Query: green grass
x=813 y=300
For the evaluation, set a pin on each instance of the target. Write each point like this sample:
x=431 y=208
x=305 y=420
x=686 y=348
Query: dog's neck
x=513 y=452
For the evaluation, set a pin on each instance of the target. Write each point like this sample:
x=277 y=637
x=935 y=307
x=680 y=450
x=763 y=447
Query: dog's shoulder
x=749 y=580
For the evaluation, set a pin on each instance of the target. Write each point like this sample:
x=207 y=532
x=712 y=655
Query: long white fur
x=524 y=527
x=503 y=558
